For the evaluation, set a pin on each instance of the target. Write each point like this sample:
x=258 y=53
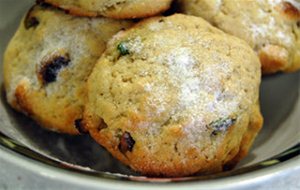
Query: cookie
x=120 y=9
x=271 y=28
x=174 y=96
x=47 y=63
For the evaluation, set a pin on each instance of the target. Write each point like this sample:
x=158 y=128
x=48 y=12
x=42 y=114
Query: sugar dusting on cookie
x=266 y=25
x=196 y=84
x=135 y=45
x=185 y=76
x=181 y=63
x=272 y=2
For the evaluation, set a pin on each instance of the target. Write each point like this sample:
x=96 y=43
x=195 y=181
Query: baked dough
x=121 y=9
x=174 y=96
x=47 y=63
x=271 y=27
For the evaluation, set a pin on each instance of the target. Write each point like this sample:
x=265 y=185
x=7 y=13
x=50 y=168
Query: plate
x=276 y=148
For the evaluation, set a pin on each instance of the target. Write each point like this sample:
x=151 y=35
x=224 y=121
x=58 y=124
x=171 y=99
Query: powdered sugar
x=156 y=101
x=274 y=3
x=61 y=40
x=190 y=92
x=181 y=63
x=199 y=91
x=135 y=45
x=267 y=27
x=184 y=88
x=282 y=36
x=148 y=87
x=218 y=4
x=261 y=30
x=155 y=26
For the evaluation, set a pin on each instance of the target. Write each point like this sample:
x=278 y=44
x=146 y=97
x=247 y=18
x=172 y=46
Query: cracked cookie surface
x=271 y=27
x=47 y=63
x=174 y=96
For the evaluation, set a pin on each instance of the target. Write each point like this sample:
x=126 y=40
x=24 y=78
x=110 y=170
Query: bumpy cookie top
x=48 y=61
x=166 y=87
x=271 y=27
x=113 y=8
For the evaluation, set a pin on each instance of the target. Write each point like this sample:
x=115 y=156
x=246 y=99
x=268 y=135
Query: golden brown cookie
x=271 y=27
x=121 y=9
x=47 y=63
x=174 y=96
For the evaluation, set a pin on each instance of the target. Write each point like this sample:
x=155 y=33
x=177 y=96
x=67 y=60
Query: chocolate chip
x=39 y=1
x=42 y=3
x=102 y=125
x=298 y=24
x=221 y=125
x=126 y=143
x=79 y=126
x=52 y=66
x=136 y=20
x=30 y=20
x=228 y=167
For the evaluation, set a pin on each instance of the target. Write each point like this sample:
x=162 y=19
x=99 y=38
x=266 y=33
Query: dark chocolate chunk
x=221 y=125
x=126 y=143
x=39 y=1
x=79 y=126
x=51 y=68
x=44 y=5
x=30 y=20
x=102 y=125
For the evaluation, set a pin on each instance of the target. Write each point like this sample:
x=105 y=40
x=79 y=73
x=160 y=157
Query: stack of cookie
x=167 y=95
